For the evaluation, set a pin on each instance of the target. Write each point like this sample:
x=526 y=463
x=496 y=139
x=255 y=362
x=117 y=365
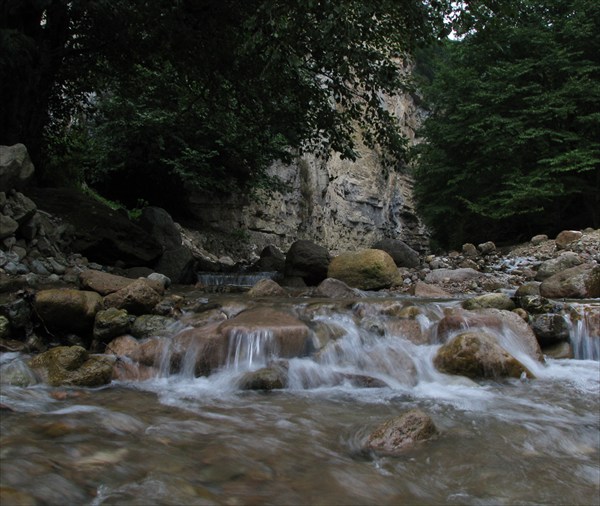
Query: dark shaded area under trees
x=139 y=99
x=144 y=100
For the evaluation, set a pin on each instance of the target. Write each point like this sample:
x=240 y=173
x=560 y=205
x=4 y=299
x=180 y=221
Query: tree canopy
x=146 y=96
x=513 y=137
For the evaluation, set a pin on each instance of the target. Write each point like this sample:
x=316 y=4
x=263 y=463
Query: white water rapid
x=180 y=439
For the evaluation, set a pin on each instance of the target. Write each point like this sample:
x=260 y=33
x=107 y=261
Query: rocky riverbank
x=74 y=273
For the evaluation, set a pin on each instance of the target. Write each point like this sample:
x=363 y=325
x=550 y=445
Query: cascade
x=180 y=437
x=585 y=331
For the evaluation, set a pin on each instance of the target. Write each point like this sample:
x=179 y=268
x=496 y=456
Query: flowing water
x=176 y=439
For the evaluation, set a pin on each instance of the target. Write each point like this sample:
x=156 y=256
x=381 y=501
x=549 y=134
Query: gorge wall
x=340 y=204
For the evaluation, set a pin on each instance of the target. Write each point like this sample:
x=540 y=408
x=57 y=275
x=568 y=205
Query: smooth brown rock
x=478 y=355
x=398 y=434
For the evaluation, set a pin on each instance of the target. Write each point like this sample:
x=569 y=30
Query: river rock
x=200 y=349
x=17 y=373
x=425 y=290
x=478 y=355
x=579 y=282
x=105 y=283
x=369 y=269
x=335 y=289
x=307 y=260
x=8 y=226
x=16 y=168
x=72 y=366
x=402 y=432
x=136 y=298
x=149 y=325
x=489 y=300
x=555 y=265
x=536 y=304
x=452 y=275
x=536 y=240
x=402 y=254
x=490 y=320
x=566 y=237
x=99 y=233
x=486 y=248
x=178 y=264
x=550 y=328
x=291 y=337
x=271 y=259
x=529 y=288
x=160 y=225
x=267 y=288
x=67 y=309
x=469 y=250
x=559 y=350
x=111 y=323
x=269 y=378
x=20 y=208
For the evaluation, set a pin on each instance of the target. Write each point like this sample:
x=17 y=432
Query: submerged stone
x=402 y=432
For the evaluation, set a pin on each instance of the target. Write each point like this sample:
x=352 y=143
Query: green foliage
x=207 y=92
x=513 y=139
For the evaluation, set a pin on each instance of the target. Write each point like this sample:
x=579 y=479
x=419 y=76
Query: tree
x=513 y=139
x=208 y=90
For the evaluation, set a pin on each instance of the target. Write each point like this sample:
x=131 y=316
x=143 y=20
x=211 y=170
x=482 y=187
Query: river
x=175 y=439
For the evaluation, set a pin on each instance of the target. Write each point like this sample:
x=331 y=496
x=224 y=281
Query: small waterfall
x=585 y=331
x=237 y=279
x=250 y=350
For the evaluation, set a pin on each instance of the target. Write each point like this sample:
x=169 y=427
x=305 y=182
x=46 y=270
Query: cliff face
x=339 y=204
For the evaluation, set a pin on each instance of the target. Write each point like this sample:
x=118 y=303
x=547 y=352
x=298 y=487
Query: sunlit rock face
x=339 y=204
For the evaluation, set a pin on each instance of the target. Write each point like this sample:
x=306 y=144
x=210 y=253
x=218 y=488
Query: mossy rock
x=478 y=355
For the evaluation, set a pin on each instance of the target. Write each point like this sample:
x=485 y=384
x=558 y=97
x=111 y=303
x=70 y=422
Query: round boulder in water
x=369 y=269
x=490 y=300
x=402 y=432
x=478 y=355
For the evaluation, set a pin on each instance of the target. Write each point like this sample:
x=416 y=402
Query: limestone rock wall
x=339 y=204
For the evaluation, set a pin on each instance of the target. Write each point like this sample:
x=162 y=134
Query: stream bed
x=175 y=439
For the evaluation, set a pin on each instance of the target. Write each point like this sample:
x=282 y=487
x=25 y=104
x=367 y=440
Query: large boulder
x=335 y=289
x=267 y=288
x=160 y=225
x=402 y=254
x=289 y=336
x=67 y=309
x=178 y=264
x=267 y=378
x=101 y=234
x=490 y=300
x=307 y=260
x=402 y=432
x=137 y=298
x=553 y=266
x=369 y=269
x=20 y=208
x=478 y=355
x=111 y=323
x=579 y=282
x=491 y=320
x=251 y=337
x=566 y=237
x=72 y=366
x=271 y=259
x=105 y=283
x=16 y=168
x=550 y=328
